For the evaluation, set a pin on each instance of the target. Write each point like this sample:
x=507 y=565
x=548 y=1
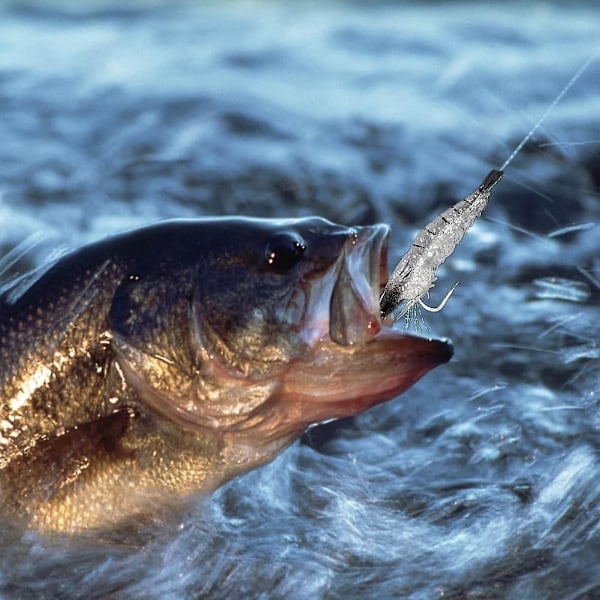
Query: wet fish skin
x=142 y=369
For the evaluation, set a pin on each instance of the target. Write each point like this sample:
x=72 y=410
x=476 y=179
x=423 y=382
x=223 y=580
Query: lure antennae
x=556 y=100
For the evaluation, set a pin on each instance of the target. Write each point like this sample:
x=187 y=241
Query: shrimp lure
x=415 y=274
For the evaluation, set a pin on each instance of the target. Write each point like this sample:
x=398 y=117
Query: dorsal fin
x=14 y=285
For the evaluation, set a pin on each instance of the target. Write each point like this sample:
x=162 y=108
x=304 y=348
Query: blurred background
x=482 y=481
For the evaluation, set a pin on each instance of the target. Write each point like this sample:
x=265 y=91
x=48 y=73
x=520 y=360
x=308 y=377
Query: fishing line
x=556 y=100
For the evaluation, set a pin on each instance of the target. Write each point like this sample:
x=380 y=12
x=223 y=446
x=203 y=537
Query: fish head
x=251 y=330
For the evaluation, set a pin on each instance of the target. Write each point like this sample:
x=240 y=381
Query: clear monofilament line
x=558 y=98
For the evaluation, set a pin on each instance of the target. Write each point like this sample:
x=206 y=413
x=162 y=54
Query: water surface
x=480 y=482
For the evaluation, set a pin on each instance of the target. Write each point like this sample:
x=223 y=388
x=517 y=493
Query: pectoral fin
x=48 y=472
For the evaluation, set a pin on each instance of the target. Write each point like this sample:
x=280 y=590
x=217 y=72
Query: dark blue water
x=483 y=480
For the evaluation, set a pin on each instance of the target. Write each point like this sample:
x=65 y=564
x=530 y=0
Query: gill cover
x=211 y=313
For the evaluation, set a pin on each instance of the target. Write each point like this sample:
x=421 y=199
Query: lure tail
x=492 y=178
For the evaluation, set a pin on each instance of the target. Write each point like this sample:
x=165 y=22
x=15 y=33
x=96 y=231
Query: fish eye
x=284 y=250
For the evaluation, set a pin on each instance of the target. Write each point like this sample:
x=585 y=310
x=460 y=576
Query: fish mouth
x=354 y=313
x=342 y=305
x=357 y=358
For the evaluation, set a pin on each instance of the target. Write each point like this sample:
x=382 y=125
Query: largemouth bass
x=142 y=370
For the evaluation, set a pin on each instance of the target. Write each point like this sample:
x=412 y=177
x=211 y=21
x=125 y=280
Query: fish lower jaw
x=339 y=381
x=310 y=409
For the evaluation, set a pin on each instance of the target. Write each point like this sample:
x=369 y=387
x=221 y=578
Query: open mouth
x=358 y=359
x=342 y=306
x=354 y=313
